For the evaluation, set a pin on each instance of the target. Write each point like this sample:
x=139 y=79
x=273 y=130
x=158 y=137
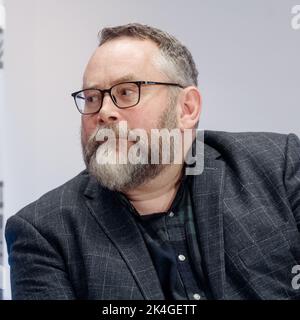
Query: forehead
x=122 y=59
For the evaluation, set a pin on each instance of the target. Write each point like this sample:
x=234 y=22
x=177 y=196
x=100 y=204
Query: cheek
x=143 y=121
x=145 y=118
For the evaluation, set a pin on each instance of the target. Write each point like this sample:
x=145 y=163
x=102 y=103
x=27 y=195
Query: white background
x=247 y=54
x=2 y=25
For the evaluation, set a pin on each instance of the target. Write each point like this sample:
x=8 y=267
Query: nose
x=108 y=113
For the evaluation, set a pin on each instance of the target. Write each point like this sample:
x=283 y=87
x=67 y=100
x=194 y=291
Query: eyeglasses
x=124 y=95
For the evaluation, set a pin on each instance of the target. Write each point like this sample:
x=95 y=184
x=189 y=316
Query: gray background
x=246 y=51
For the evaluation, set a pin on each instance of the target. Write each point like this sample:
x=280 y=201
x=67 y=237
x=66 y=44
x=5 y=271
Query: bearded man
x=144 y=229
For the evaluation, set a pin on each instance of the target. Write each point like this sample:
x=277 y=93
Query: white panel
x=2 y=27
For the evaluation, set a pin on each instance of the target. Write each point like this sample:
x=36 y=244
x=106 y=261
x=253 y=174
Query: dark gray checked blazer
x=77 y=242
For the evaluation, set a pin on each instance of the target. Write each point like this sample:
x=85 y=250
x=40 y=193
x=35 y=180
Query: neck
x=157 y=195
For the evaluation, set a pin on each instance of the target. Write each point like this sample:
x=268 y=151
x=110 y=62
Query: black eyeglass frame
x=103 y=91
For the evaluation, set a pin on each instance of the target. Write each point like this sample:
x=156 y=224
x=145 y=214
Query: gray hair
x=175 y=60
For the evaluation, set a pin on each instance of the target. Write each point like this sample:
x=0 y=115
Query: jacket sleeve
x=292 y=175
x=37 y=269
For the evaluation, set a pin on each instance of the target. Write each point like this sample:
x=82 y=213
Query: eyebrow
x=128 y=77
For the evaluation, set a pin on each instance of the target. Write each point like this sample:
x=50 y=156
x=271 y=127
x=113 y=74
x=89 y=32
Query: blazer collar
x=207 y=193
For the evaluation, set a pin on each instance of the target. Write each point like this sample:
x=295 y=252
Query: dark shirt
x=172 y=242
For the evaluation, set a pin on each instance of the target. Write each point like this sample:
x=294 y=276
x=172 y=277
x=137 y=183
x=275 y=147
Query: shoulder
x=52 y=204
x=246 y=141
x=255 y=153
x=255 y=145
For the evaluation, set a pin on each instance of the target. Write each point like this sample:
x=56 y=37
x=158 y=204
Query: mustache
x=96 y=136
x=94 y=142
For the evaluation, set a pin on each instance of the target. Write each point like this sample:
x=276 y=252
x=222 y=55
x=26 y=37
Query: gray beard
x=124 y=177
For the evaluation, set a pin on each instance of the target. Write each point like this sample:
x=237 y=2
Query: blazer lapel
x=120 y=227
x=207 y=198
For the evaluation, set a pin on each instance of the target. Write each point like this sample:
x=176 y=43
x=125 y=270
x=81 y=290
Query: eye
x=126 y=92
x=91 y=98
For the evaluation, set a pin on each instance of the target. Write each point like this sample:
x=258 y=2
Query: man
x=148 y=230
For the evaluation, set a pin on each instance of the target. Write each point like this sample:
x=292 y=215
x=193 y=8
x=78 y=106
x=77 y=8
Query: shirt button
x=181 y=257
x=171 y=214
x=196 y=296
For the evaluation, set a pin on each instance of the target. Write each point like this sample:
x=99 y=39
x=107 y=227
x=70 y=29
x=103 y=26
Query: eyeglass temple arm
x=162 y=83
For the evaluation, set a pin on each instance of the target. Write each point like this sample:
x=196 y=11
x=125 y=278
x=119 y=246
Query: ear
x=190 y=108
